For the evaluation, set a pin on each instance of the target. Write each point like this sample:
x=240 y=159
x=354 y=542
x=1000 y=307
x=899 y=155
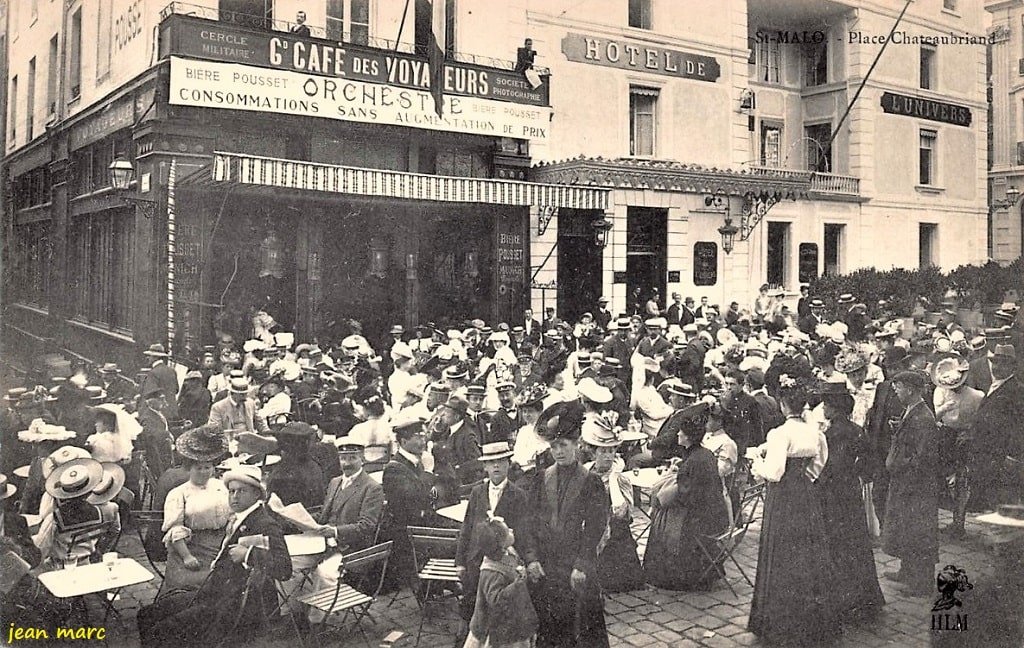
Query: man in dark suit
x=571 y=509
x=688 y=315
x=496 y=496
x=163 y=376
x=741 y=415
x=155 y=438
x=815 y=315
x=803 y=305
x=455 y=450
x=351 y=512
x=995 y=443
x=531 y=328
x=618 y=346
x=979 y=374
x=912 y=509
x=505 y=422
x=409 y=491
x=253 y=554
x=674 y=313
x=771 y=414
x=300 y=28
x=602 y=316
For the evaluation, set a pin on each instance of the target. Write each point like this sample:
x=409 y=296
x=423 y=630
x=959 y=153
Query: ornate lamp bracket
x=755 y=206
x=544 y=216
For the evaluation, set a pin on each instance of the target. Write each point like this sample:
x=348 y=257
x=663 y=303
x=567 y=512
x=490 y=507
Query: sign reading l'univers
x=627 y=55
x=940 y=111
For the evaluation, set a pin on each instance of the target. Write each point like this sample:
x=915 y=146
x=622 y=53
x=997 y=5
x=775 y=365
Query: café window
x=816 y=63
x=640 y=14
x=30 y=256
x=819 y=148
x=100 y=267
x=90 y=165
x=705 y=263
x=643 y=104
x=31 y=188
x=768 y=57
x=927 y=67
x=771 y=145
x=926 y=157
x=349 y=21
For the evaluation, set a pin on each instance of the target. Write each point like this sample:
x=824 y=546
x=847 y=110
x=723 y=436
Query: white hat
x=500 y=336
x=590 y=390
x=657 y=322
x=254 y=345
x=284 y=339
x=39 y=430
x=248 y=475
x=401 y=350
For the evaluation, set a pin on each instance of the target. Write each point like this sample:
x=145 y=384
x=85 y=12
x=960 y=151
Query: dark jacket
x=742 y=422
x=164 y=377
x=512 y=507
x=911 y=511
x=194 y=402
x=568 y=533
x=503 y=612
x=979 y=376
x=297 y=480
x=995 y=436
x=354 y=511
x=455 y=456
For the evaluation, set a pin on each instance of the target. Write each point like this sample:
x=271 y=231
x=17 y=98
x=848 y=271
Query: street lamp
x=601 y=228
x=728 y=231
x=1012 y=196
x=122 y=172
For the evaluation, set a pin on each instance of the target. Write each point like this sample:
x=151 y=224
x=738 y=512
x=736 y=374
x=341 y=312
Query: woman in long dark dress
x=842 y=507
x=697 y=507
x=618 y=566
x=792 y=600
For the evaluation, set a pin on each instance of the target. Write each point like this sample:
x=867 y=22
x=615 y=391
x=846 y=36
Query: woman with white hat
x=116 y=430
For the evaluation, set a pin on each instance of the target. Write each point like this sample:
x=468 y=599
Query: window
x=51 y=78
x=31 y=188
x=462 y=163
x=640 y=14
x=927 y=67
x=807 y=262
x=75 y=55
x=101 y=249
x=771 y=145
x=30 y=96
x=833 y=249
x=90 y=165
x=103 y=26
x=768 y=56
x=816 y=63
x=926 y=158
x=778 y=253
x=949 y=5
x=819 y=147
x=31 y=260
x=927 y=234
x=643 y=103
x=349 y=21
x=421 y=26
x=13 y=119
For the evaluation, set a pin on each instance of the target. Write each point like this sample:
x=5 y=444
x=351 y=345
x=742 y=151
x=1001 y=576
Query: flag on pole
x=435 y=54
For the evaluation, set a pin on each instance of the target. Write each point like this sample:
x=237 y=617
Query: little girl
x=503 y=615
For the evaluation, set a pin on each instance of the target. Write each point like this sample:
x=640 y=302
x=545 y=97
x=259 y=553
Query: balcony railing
x=835 y=184
x=263 y=23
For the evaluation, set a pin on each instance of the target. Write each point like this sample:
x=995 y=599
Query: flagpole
x=401 y=25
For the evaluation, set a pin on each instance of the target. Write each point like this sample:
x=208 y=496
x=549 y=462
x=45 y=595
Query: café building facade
x=307 y=176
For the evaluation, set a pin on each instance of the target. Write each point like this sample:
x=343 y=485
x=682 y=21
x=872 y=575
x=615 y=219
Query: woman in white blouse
x=792 y=592
x=374 y=433
x=196 y=512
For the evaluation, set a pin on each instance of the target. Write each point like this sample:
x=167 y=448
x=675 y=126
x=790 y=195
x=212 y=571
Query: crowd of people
x=858 y=424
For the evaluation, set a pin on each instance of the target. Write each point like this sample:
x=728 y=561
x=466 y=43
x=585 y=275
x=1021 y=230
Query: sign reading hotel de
x=627 y=55
x=280 y=73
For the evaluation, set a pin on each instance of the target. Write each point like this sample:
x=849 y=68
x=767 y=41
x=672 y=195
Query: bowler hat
x=914 y=378
x=1003 y=352
x=109 y=368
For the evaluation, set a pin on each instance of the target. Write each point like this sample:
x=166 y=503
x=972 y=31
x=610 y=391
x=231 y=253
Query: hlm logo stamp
x=946 y=613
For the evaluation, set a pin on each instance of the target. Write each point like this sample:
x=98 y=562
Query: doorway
x=833 y=247
x=778 y=253
x=926 y=245
x=580 y=263
x=646 y=254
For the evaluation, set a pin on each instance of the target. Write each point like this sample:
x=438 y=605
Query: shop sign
x=206 y=84
x=220 y=42
x=705 y=263
x=939 y=111
x=118 y=115
x=511 y=239
x=638 y=57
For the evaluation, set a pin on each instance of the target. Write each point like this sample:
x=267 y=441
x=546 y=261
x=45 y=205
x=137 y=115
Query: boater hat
x=494 y=451
x=248 y=475
x=7 y=489
x=156 y=351
x=74 y=479
x=110 y=485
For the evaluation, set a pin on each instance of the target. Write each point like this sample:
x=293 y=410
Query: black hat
x=204 y=443
x=561 y=421
x=914 y=378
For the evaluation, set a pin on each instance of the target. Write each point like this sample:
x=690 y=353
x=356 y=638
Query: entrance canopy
x=250 y=170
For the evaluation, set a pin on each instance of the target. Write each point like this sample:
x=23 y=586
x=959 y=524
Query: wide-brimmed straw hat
x=494 y=451
x=110 y=484
x=76 y=478
x=600 y=432
x=7 y=489
x=949 y=373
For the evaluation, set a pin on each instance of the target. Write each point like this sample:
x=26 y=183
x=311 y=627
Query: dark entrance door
x=580 y=263
x=646 y=238
x=778 y=253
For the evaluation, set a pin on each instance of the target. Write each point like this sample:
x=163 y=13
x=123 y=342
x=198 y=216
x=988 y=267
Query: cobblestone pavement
x=650 y=618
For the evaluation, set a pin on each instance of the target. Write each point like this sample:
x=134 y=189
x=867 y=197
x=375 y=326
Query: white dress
x=197 y=515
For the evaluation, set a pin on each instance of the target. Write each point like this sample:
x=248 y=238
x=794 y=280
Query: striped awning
x=239 y=169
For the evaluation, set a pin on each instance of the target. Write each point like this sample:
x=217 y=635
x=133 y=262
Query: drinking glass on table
x=70 y=562
x=109 y=559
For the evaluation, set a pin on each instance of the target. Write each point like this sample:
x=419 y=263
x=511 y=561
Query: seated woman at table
x=690 y=505
x=196 y=512
x=84 y=523
x=726 y=453
x=618 y=566
x=116 y=432
x=297 y=478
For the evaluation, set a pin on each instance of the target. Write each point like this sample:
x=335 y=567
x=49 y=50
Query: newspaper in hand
x=295 y=513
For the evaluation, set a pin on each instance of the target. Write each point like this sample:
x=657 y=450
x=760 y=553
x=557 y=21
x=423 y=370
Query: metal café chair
x=433 y=554
x=719 y=548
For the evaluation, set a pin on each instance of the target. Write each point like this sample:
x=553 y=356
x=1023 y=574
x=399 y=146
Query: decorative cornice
x=668 y=175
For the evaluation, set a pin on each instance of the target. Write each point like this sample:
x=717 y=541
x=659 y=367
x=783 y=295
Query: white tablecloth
x=90 y=579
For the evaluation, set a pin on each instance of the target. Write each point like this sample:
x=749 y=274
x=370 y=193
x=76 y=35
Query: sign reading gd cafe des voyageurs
x=192 y=37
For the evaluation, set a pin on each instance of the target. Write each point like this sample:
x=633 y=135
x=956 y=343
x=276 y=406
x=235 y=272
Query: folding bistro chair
x=718 y=548
x=344 y=598
x=433 y=555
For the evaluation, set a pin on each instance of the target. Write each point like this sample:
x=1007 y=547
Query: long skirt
x=793 y=589
x=618 y=565
x=673 y=560
x=204 y=545
x=846 y=529
x=569 y=619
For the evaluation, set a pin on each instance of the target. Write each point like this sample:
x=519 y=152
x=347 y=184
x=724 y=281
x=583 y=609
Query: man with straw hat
x=236 y=412
x=163 y=376
x=72 y=485
x=45 y=438
x=224 y=604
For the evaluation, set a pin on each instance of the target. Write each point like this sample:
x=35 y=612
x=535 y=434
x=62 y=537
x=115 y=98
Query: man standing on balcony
x=300 y=28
